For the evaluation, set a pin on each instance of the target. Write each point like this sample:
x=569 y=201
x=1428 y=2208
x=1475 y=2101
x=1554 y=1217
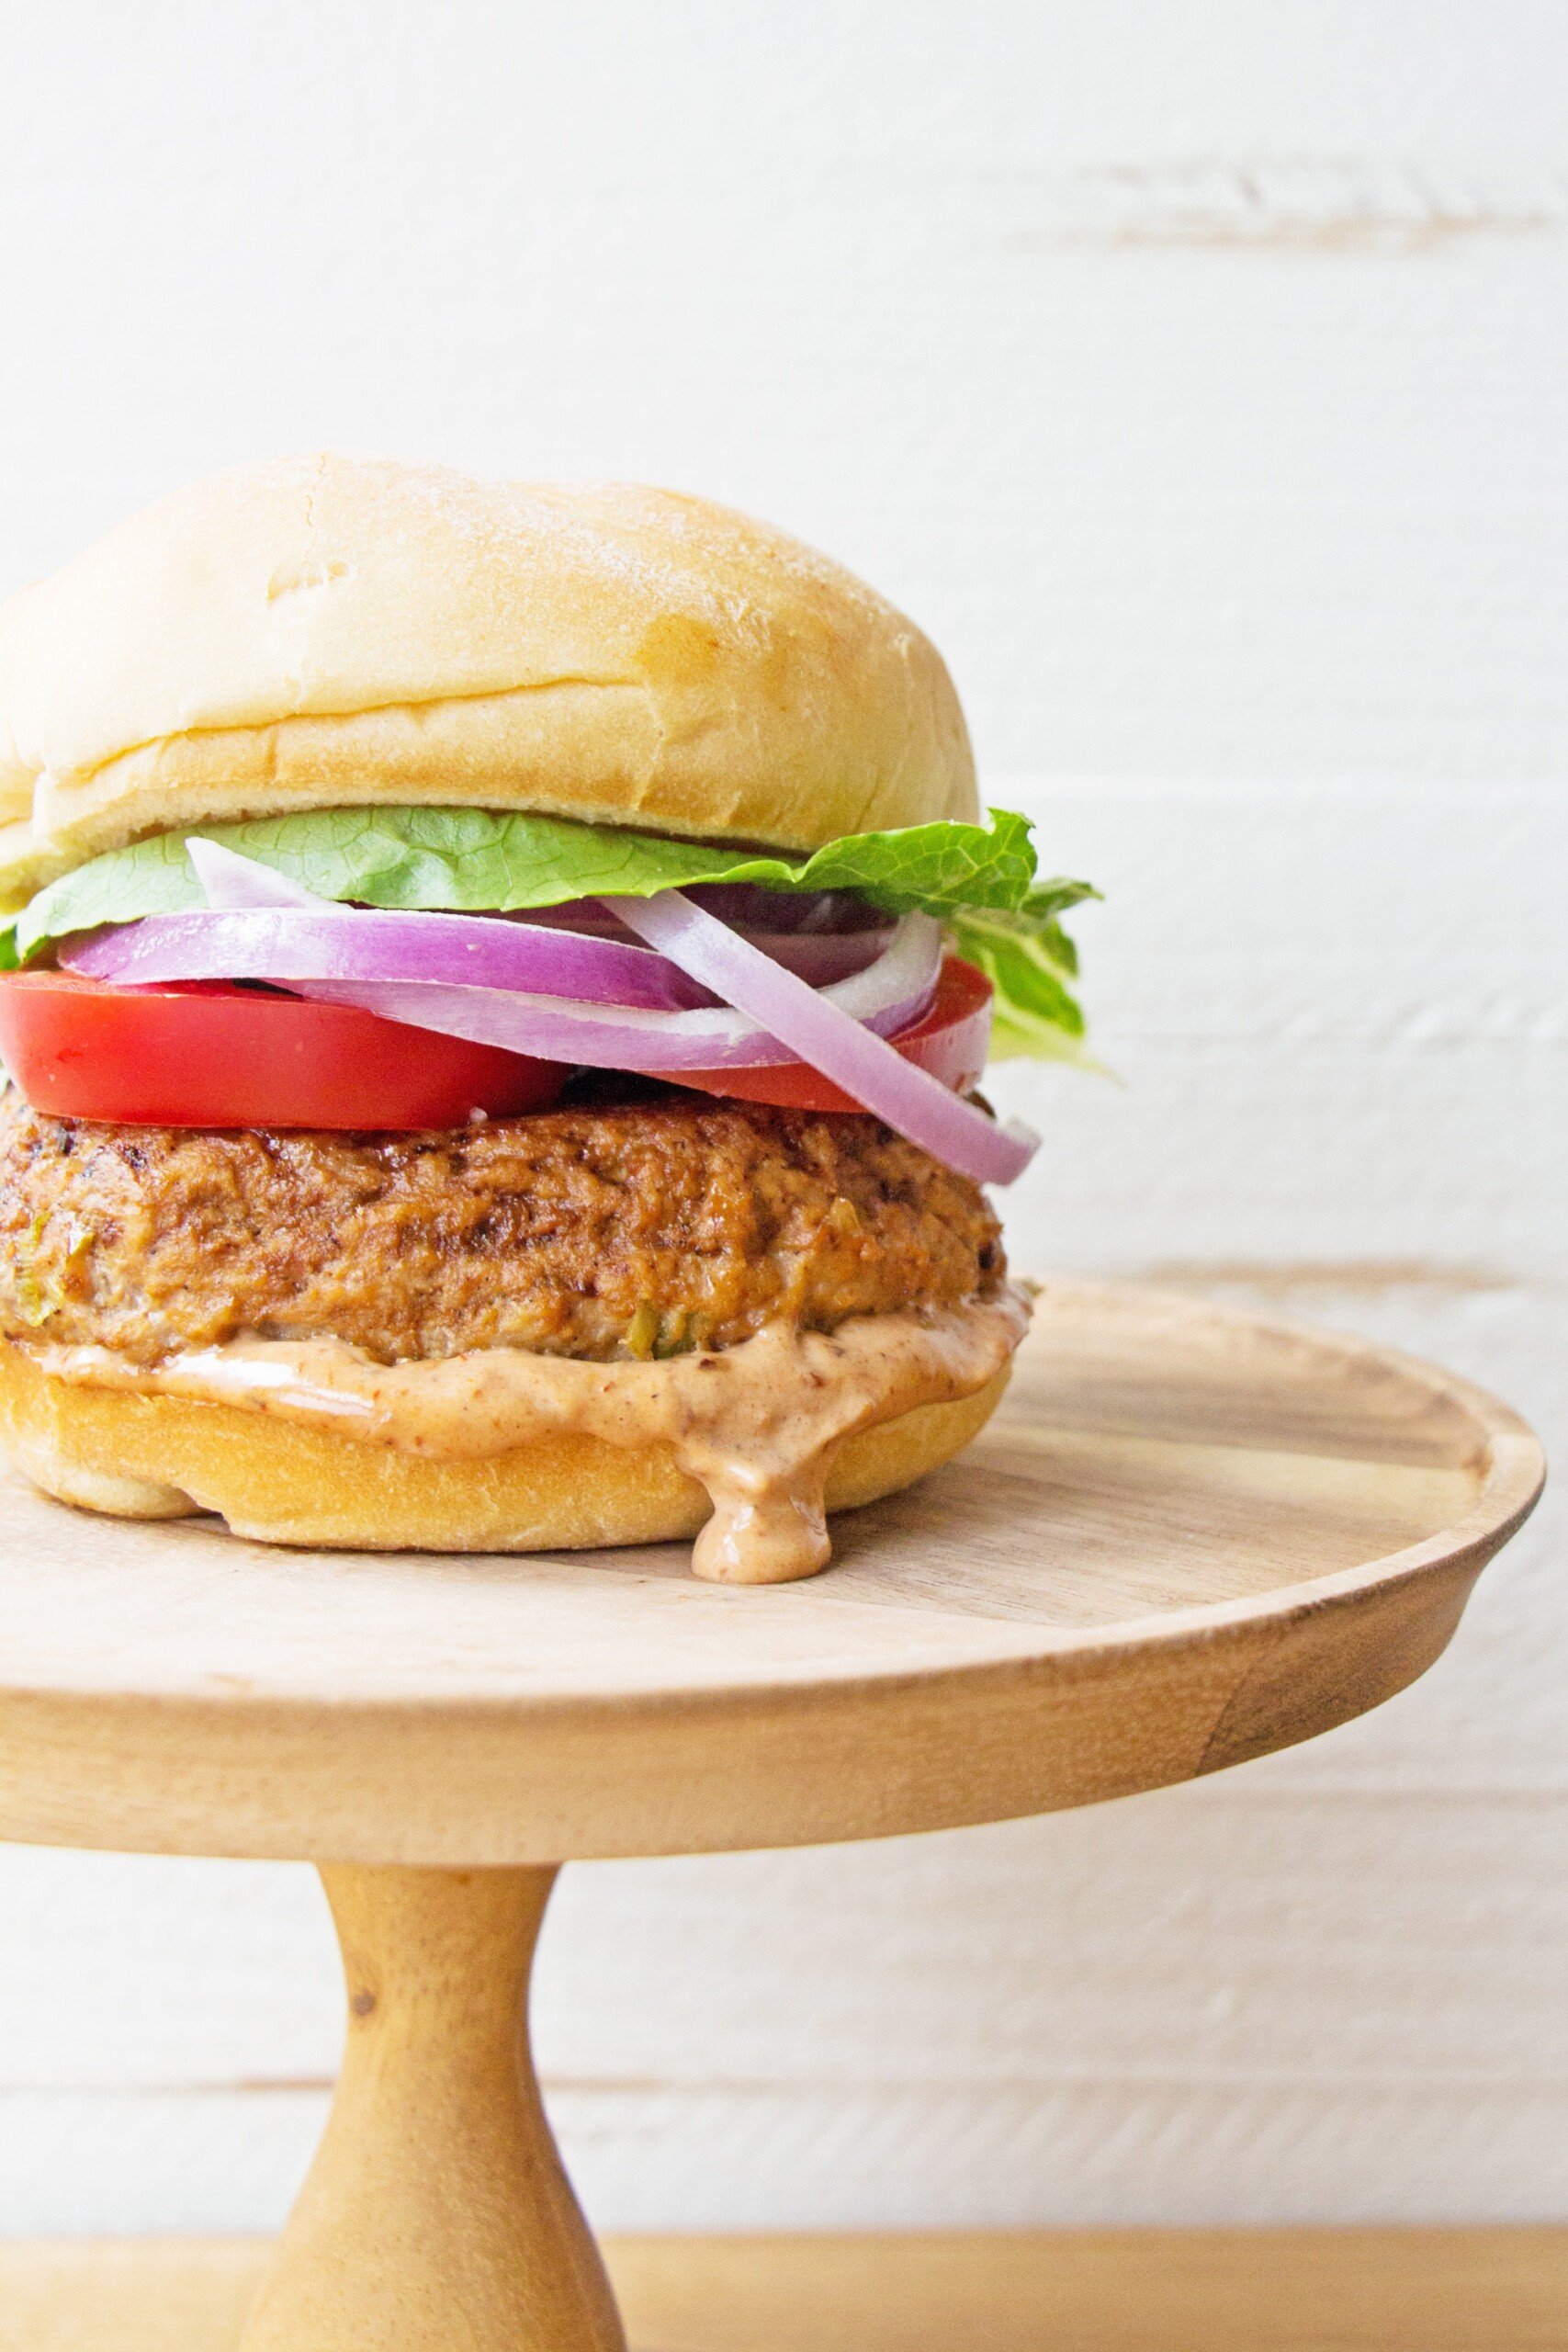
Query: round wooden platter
x=1188 y=1537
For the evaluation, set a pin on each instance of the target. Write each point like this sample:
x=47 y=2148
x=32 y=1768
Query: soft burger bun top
x=317 y=631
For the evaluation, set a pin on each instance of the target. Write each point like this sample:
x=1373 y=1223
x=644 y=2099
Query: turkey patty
x=637 y=1230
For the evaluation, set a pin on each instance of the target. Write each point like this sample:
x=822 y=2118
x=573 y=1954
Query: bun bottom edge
x=276 y=1481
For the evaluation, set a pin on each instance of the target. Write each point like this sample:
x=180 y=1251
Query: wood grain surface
x=1189 y=1537
x=436 y=2206
x=1102 y=2290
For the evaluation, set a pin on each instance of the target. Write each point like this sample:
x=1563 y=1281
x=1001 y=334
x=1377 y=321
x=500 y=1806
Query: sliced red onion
x=840 y=1029
x=818 y=956
x=241 y=884
x=235 y=883
x=822 y=1033
x=746 y=907
x=292 y=946
x=821 y=957
x=886 y=995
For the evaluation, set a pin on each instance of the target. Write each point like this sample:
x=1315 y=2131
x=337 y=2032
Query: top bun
x=324 y=630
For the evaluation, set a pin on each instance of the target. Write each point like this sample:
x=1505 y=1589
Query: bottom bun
x=153 y=1456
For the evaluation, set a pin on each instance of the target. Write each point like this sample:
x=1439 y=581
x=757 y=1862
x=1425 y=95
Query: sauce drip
x=756 y=1424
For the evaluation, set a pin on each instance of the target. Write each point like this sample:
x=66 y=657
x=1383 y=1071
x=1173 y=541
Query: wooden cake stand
x=1188 y=1538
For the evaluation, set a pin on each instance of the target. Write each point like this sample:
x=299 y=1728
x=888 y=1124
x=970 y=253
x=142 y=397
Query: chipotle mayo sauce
x=755 y=1424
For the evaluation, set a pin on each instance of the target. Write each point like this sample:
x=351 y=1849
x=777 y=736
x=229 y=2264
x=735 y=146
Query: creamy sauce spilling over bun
x=755 y=1424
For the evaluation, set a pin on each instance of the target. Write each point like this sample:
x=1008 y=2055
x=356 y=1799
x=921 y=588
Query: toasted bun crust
x=323 y=630
x=280 y=1482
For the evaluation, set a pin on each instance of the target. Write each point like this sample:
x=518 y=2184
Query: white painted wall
x=1196 y=374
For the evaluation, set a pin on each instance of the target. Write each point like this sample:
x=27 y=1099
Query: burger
x=493 y=983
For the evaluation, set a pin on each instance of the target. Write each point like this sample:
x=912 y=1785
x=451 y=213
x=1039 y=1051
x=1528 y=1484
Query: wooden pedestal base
x=437 y=2188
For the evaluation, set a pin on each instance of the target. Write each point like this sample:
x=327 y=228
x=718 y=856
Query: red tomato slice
x=204 y=1054
x=950 y=1040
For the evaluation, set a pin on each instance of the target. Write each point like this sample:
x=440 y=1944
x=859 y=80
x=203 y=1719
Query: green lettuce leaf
x=978 y=879
x=1029 y=965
